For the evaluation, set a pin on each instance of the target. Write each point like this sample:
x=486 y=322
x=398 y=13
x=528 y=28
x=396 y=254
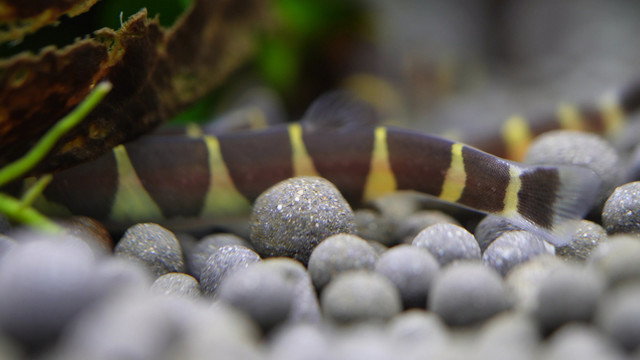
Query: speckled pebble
x=178 y=284
x=408 y=227
x=44 y=284
x=197 y=257
x=585 y=239
x=570 y=293
x=292 y=217
x=372 y=226
x=566 y=147
x=465 y=293
x=223 y=262
x=411 y=270
x=579 y=341
x=154 y=246
x=512 y=249
x=621 y=213
x=619 y=316
x=337 y=254
x=491 y=228
x=358 y=296
x=618 y=259
x=259 y=290
x=448 y=242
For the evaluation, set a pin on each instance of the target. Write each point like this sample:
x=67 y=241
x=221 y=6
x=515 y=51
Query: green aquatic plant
x=20 y=210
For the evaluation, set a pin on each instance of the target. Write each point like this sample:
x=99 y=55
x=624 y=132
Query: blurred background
x=434 y=65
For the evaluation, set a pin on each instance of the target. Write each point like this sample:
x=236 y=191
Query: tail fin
x=553 y=199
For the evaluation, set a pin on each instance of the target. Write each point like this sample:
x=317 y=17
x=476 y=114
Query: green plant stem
x=40 y=150
x=26 y=215
x=31 y=194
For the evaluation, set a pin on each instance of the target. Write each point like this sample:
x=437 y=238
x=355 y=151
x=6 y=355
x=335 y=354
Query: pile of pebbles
x=316 y=280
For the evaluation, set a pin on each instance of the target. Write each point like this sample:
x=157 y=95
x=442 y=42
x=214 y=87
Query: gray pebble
x=466 y=293
x=579 y=341
x=293 y=216
x=491 y=228
x=6 y=243
x=509 y=335
x=512 y=249
x=411 y=270
x=197 y=257
x=618 y=259
x=372 y=226
x=633 y=164
x=305 y=306
x=337 y=254
x=154 y=246
x=223 y=262
x=44 y=284
x=525 y=280
x=417 y=327
x=621 y=213
x=570 y=293
x=130 y=326
x=565 y=147
x=448 y=242
x=261 y=291
x=115 y=275
x=408 y=227
x=619 y=316
x=300 y=342
x=359 y=296
x=218 y=330
x=178 y=284
x=366 y=341
x=584 y=240
x=5 y=225
x=377 y=247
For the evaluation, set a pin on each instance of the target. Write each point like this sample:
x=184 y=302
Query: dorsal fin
x=340 y=109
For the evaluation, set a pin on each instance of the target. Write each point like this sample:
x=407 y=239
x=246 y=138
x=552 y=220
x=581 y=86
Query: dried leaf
x=155 y=73
x=21 y=17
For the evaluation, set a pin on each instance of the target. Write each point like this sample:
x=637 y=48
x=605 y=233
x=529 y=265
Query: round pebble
x=566 y=147
x=569 y=293
x=618 y=259
x=44 y=284
x=116 y=275
x=223 y=262
x=619 y=316
x=305 y=307
x=337 y=254
x=621 y=213
x=154 y=246
x=409 y=226
x=197 y=257
x=491 y=228
x=261 y=291
x=90 y=231
x=298 y=342
x=579 y=341
x=525 y=280
x=411 y=270
x=584 y=240
x=293 y=216
x=359 y=296
x=466 y=293
x=177 y=284
x=448 y=242
x=512 y=249
x=509 y=335
x=417 y=326
x=372 y=226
